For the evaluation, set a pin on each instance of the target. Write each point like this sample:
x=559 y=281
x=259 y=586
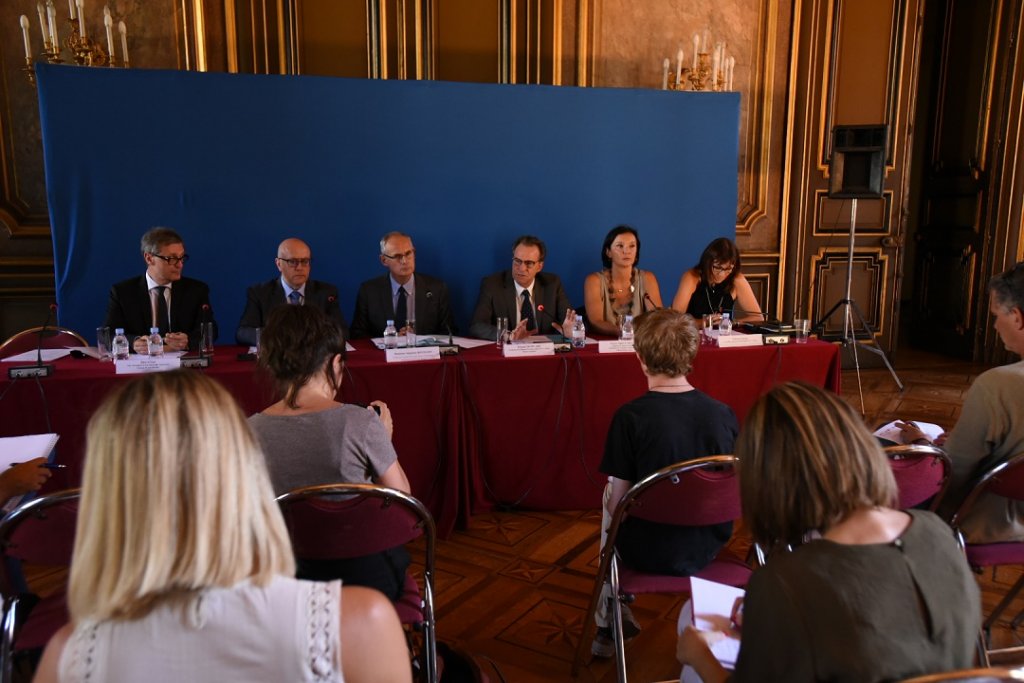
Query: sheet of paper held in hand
x=893 y=433
x=710 y=611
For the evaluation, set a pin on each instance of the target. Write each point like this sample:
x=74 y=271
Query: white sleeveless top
x=288 y=631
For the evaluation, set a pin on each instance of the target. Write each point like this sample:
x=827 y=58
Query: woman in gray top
x=310 y=438
x=872 y=593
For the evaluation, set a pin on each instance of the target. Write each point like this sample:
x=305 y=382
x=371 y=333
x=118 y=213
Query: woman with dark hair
x=620 y=289
x=310 y=438
x=871 y=593
x=716 y=285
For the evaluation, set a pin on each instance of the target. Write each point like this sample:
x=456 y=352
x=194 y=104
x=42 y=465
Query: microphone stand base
x=29 y=371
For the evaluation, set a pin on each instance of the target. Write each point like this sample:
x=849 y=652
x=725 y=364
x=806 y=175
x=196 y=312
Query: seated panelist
x=161 y=297
x=293 y=287
x=716 y=285
x=534 y=302
x=620 y=289
x=401 y=295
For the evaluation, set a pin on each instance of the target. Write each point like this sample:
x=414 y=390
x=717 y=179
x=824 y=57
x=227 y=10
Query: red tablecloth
x=471 y=431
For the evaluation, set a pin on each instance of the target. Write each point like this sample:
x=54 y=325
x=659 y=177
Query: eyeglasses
x=171 y=260
x=529 y=265
x=296 y=262
x=722 y=269
x=401 y=258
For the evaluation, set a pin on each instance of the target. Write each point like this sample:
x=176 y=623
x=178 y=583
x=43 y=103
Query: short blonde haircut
x=175 y=498
x=806 y=461
x=666 y=342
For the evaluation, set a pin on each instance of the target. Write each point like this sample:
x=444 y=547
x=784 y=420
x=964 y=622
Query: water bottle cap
x=391 y=322
x=154 y=330
x=118 y=330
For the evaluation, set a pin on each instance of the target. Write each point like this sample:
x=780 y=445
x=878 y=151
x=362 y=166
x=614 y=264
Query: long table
x=472 y=431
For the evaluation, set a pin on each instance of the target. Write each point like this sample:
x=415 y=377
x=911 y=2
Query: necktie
x=295 y=297
x=401 y=309
x=162 y=319
x=526 y=311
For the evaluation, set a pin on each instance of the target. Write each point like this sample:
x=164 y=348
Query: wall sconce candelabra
x=81 y=48
x=709 y=70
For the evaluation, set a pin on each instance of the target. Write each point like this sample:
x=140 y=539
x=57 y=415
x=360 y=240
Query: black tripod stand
x=850 y=308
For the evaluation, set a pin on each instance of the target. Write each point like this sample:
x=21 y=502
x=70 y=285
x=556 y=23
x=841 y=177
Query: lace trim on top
x=82 y=654
x=322 y=625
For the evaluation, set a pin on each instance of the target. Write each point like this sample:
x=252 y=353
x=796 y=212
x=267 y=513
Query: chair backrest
x=338 y=521
x=921 y=472
x=41 y=531
x=1003 y=479
x=27 y=340
x=695 y=492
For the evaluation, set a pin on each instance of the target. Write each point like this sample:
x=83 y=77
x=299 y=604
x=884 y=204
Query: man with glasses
x=293 y=287
x=401 y=295
x=534 y=302
x=161 y=297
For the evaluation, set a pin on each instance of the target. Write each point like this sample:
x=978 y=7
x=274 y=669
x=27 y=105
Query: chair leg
x=7 y=628
x=616 y=615
x=1003 y=604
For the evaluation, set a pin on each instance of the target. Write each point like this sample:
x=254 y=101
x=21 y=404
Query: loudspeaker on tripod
x=857 y=167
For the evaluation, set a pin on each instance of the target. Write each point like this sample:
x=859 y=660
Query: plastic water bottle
x=725 y=327
x=155 y=342
x=119 y=346
x=579 y=333
x=390 y=336
x=626 y=334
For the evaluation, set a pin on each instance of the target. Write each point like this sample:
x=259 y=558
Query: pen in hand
x=45 y=465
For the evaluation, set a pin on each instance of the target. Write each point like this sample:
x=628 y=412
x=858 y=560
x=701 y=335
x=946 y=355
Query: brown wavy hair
x=297 y=343
x=666 y=341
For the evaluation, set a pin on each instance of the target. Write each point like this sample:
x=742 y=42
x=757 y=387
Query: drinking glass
x=802 y=327
x=103 y=343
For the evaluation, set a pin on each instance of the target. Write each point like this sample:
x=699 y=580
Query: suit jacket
x=374 y=307
x=498 y=299
x=262 y=298
x=130 y=307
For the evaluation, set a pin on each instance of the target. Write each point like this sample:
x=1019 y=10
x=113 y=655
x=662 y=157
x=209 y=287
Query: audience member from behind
x=294 y=261
x=873 y=593
x=401 y=295
x=182 y=568
x=991 y=425
x=532 y=301
x=671 y=422
x=310 y=438
x=715 y=286
x=161 y=297
x=620 y=289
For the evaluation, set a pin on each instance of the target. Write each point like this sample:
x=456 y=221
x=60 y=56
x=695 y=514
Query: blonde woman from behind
x=182 y=569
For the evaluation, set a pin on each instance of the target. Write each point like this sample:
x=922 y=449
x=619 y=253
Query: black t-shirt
x=655 y=431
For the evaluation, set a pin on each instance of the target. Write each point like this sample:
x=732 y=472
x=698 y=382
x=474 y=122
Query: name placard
x=528 y=349
x=728 y=341
x=413 y=353
x=615 y=346
x=137 y=364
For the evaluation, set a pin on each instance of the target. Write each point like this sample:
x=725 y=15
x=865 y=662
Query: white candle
x=43 y=25
x=732 y=70
x=71 y=8
x=715 y=65
x=696 y=49
x=51 y=19
x=108 y=23
x=707 y=40
x=664 y=74
x=24 y=35
x=123 y=30
x=679 y=66
x=81 y=17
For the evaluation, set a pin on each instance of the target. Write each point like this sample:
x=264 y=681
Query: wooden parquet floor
x=513 y=587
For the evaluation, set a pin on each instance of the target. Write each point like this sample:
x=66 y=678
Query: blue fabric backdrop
x=236 y=163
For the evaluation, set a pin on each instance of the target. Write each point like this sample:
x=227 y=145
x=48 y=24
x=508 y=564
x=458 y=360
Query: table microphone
x=37 y=370
x=562 y=346
x=654 y=306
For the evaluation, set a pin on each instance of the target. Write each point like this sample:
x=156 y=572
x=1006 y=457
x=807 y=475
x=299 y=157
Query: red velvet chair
x=28 y=340
x=922 y=473
x=38 y=532
x=373 y=518
x=697 y=492
x=970 y=676
x=1004 y=479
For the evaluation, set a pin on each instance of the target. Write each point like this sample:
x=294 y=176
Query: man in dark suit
x=534 y=302
x=162 y=297
x=401 y=295
x=294 y=286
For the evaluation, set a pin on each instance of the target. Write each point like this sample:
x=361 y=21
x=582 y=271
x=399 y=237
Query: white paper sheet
x=893 y=433
x=710 y=610
x=30 y=356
